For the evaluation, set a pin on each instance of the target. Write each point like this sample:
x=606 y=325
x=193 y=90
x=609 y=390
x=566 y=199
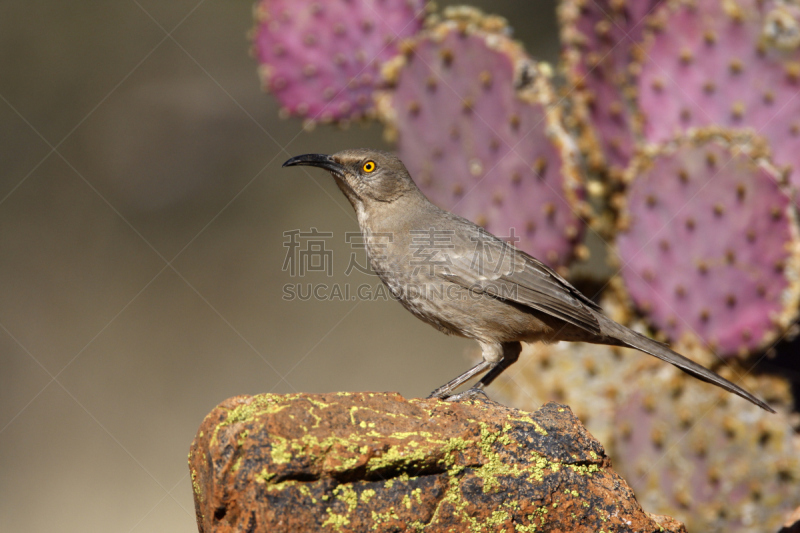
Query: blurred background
x=142 y=220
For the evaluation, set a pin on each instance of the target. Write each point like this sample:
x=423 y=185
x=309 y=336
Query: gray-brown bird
x=464 y=281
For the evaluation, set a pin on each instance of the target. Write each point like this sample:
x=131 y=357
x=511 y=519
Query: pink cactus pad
x=322 y=59
x=732 y=63
x=701 y=454
x=688 y=449
x=601 y=37
x=477 y=126
x=709 y=245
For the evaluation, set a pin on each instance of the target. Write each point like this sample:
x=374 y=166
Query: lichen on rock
x=377 y=462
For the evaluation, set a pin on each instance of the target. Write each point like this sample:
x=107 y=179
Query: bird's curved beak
x=316 y=160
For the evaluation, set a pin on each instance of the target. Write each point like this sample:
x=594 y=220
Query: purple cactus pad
x=729 y=63
x=322 y=60
x=477 y=126
x=709 y=243
x=600 y=39
x=696 y=452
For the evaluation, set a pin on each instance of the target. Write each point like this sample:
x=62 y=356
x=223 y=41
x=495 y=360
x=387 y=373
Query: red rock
x=352 y=462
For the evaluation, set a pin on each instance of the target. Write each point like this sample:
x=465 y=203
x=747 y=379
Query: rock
x=378 y=462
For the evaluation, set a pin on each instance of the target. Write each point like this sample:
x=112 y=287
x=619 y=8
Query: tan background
x=142 y=211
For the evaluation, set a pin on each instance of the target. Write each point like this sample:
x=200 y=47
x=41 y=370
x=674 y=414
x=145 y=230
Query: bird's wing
x=481 y=262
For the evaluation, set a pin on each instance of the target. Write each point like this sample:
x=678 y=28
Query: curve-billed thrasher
x=464 y=281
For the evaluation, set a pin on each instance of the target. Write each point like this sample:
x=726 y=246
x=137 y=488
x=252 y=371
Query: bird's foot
x=468 y=394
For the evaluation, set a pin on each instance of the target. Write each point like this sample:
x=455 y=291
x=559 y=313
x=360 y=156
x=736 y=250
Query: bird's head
x=365 y=176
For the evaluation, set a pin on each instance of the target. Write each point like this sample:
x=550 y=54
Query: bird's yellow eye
x=369 y=166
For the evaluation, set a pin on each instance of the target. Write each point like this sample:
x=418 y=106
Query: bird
x=464 y=281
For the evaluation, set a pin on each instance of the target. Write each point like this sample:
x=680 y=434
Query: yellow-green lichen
x=406 y=434
x=537 y=468
x=306 y=491
x=262 y=404
x=343 y=453
x=367 y=495
x=264 y=476
x=257 y=406
x=337 y=521
x=317 y=418
x=454 y=497
x=348 y=495
x=416 y=525
x=528 y=420
x=198 y=490
x=511 y=504
x=381 y=518
x=584 y=470
x=494 y=466
x=450 y=447
x=538 y=514
x=318 y=403
x=496 y=520
x=301 y=486
x=328 y=448
x=280 y=449
x=398 y=457
x=354 y=409
x=406 y=501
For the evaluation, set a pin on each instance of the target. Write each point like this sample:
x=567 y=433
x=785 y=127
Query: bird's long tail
x=630 y=338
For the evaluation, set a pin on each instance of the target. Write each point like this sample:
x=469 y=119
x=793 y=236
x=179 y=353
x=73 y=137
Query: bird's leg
x=511 y=351
x=447 y=389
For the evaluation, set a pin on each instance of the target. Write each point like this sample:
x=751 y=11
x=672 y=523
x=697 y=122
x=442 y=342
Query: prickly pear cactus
x=689 y=449
x=731 y=63
x=583 y=376
x=600 y=39
x=709 y=243
x=477 y=126
x=322 y=60
x=717 y=463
